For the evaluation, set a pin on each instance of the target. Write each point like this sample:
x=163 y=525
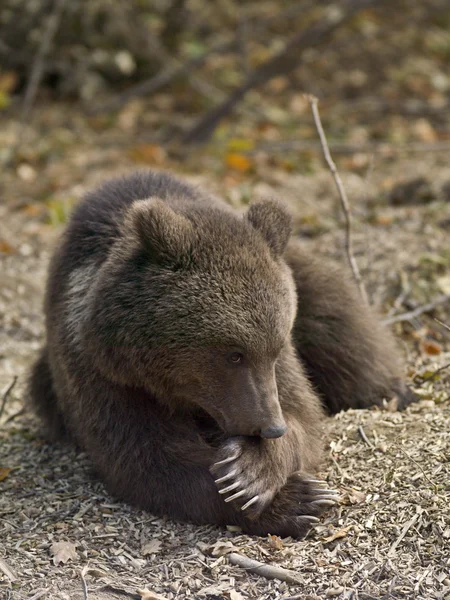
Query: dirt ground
x=390 y=535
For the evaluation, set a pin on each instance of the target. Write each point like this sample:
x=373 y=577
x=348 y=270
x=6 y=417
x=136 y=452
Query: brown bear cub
x=190 y=351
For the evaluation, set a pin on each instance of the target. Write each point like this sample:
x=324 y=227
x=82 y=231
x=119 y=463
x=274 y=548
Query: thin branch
x=313 y=101
x=267 y=571
x=432 y=376
x=404 y=531
x=383 y=148
x=6 y=395
x=420 y=310
x=441 y=323
x=84 y=584
x=167 y=74
x=364 y=437
x=281 y=63
x=37 y=69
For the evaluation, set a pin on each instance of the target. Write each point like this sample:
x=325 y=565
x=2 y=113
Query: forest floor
x=390 y=535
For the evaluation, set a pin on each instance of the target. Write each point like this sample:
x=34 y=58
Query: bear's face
x=199 y=306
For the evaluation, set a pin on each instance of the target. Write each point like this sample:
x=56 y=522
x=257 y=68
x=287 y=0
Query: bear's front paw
x=248 y=474
x=295 y=508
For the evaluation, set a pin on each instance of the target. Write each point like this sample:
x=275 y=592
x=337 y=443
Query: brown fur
x=153 y=290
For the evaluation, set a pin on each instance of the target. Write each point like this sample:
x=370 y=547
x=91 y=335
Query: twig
x=267 y=571
x=441 y=323
x=281 y=63
x=6 y=569
x=313 y=102
x=37 y=69
x=383 y=148
x=84 y=584
x=161 y=79
x=6 y=394
x=417 y=465
x=404 y=531
x=420 y=310
x=406 y=289
x=432 y=376
x=38 y=594
x=362 y=433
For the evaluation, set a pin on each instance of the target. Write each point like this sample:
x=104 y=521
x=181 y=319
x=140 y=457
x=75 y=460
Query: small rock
x=334 y=591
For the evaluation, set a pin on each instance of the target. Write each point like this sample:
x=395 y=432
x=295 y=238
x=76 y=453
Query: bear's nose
x=275 y=431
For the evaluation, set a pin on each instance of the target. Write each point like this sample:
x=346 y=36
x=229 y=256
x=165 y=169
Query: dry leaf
x=5 y=247
x=275 y=542
x=222 y=548
x=148 y=595
x=62 y=552
x=233 y=595
x=430 y=347
x=4 y=472
x=150 y=154
x=238 y=162
x=151 y=547
x=339 y=533
x=352 y=496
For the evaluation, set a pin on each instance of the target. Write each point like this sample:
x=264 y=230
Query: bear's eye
x=236 y=358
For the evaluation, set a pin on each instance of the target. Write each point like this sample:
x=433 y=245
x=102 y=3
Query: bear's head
x=195 y=304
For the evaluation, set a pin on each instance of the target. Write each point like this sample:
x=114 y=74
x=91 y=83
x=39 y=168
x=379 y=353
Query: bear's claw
x=250 y=502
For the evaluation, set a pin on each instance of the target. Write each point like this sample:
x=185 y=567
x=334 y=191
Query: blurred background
x=215 y=91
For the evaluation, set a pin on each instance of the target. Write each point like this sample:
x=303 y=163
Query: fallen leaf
x=62 y=552
x=339 y=533
x=233 y=595
x=4 y=472
x=151 y=547
x=352 y=496
x=238 y=162
x=150 y=154
x=5 y=247
x=430 y=347
x=222 y=548
x=148 y=595
x=275 y=542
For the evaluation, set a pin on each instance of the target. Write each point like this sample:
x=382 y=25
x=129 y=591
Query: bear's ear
x=166 y=234
x=274 y=221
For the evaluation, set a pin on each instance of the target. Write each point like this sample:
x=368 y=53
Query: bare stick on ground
x=84 y=584
x=432 y=376
x=281 y=63
x=313 y=102
x=441 y=323
x=267 y=571
x=37 y=69
x=420 y=310
x=6 y=395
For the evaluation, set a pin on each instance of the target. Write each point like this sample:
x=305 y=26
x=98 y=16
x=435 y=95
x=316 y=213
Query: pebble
x=334 y=591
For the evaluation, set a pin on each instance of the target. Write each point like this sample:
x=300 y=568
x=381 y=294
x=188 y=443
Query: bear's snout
x=275 y=431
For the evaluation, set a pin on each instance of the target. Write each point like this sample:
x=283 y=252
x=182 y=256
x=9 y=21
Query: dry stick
x=162 y=78
x=281 y=63
x=441 y=323
x=6 y=394
x=313 y=101
x=420 y=310
x=404 y=531
x=267 y=571
x=432 y=376
x=37 y=69
x=382 y=148
x=364 y=437
x=84 y=584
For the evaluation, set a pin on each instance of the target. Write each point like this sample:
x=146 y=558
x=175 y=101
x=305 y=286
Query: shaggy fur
x=181 y=335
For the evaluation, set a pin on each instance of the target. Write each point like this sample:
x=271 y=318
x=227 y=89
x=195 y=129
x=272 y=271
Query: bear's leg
x=43 y=398
x=159 y=461
x=350 y=358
